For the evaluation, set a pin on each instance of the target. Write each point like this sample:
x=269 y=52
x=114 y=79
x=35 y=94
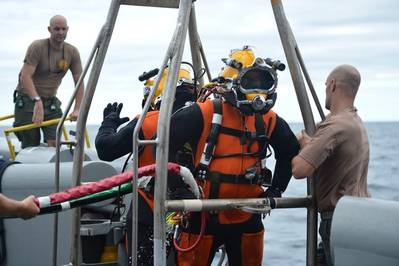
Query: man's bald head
x=58 y=30
x=347 y=78
x=57 y=19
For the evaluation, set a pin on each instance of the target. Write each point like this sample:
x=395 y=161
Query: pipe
x=163 y=132
x=136 y=143
x=289 y=44
x=208 y=72
x=81 y=122
x=60 y=127
x=229 y=204
x=195 y=45
x=310 y=83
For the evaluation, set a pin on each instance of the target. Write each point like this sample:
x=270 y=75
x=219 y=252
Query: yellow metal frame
x=6 y=117
x=51 y=122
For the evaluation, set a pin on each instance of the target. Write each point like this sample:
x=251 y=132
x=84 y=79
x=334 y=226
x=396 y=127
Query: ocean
x=285 y=238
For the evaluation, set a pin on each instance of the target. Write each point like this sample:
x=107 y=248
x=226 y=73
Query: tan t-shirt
x=51 y=66
x=339 y=151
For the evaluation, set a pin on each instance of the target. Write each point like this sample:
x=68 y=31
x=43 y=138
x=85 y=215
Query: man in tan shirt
x=338 y=154
x=46 y=63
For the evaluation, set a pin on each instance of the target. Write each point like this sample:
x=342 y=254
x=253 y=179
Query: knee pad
x=199 y=256
x=252 y=248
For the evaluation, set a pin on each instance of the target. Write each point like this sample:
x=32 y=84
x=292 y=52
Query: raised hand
x=111 y=115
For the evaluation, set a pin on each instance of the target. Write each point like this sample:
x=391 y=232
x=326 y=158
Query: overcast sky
x=363 y=33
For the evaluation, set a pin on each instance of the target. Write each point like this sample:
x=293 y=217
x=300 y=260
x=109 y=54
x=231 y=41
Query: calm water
x=285 y=239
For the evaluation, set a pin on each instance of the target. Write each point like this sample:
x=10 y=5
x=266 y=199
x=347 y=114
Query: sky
x=363 y=33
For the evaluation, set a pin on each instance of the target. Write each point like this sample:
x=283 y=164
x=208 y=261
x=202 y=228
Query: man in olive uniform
x=46 y=63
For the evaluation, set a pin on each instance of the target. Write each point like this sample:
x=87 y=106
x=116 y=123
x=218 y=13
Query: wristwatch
x=36 y=99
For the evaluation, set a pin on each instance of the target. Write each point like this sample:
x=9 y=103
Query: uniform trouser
x=23 y=115
x=243 y=242
x=325 y=232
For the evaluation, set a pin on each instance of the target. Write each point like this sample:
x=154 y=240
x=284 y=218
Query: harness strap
x=216 y=178
x=212 y=139
x=269 y=127
x=233 y=179
x=263 y=143
x=238 y=133
x=261 y=135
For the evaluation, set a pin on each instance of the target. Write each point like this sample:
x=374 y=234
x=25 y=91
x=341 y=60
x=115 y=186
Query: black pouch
x=14 y=95
x=18 y=99
x=51 y=106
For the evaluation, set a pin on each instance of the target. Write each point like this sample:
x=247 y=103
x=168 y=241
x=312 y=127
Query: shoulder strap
x=210 y=144
x=261 y=136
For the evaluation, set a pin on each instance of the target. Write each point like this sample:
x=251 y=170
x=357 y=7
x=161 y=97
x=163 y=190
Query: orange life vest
x=232 y=169
x=149 y=129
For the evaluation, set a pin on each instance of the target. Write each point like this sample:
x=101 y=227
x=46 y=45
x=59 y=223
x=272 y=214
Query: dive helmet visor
x=257 y=80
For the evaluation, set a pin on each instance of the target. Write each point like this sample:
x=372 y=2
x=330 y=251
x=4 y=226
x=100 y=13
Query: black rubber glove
x=112 y=116
x=272 y=192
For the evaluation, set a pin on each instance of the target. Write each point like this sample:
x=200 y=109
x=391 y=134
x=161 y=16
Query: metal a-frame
x=186 y=20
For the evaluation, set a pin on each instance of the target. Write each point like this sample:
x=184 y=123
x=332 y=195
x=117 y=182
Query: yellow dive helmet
x=238 y=58
x=184 y=78
x=252 y=79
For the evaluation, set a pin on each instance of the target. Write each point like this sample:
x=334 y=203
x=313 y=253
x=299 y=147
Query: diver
x=231 y=136
x=112 y=143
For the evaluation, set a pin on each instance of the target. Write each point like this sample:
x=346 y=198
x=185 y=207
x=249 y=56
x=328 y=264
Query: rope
x=106 y=189
x=107 y=183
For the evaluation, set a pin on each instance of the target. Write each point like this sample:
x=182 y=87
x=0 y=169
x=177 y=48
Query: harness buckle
x=266 y=177
x=202 y=171
x=251 y=173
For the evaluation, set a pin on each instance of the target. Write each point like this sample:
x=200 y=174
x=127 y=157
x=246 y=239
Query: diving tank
x=30 y=242
x=365 y=231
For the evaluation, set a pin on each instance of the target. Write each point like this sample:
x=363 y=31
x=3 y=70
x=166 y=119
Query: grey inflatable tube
x=365 y=231
x=30 y=242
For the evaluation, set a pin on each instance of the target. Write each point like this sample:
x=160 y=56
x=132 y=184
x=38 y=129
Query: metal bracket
x=261 y=209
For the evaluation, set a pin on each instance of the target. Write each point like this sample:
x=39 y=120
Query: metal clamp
x=261 y=209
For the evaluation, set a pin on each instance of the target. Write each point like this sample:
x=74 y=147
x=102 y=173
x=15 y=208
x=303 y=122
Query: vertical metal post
x=197 y=50
x=195 y=44
x=163 y=133
x=310 y=83
x=81 y=124
x=60 y=128
x=135 y=156
x=208 y=72
x=167 y=58
x=289 y=44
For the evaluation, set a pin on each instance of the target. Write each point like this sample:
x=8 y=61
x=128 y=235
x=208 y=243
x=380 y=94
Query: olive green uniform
x=51 y=66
